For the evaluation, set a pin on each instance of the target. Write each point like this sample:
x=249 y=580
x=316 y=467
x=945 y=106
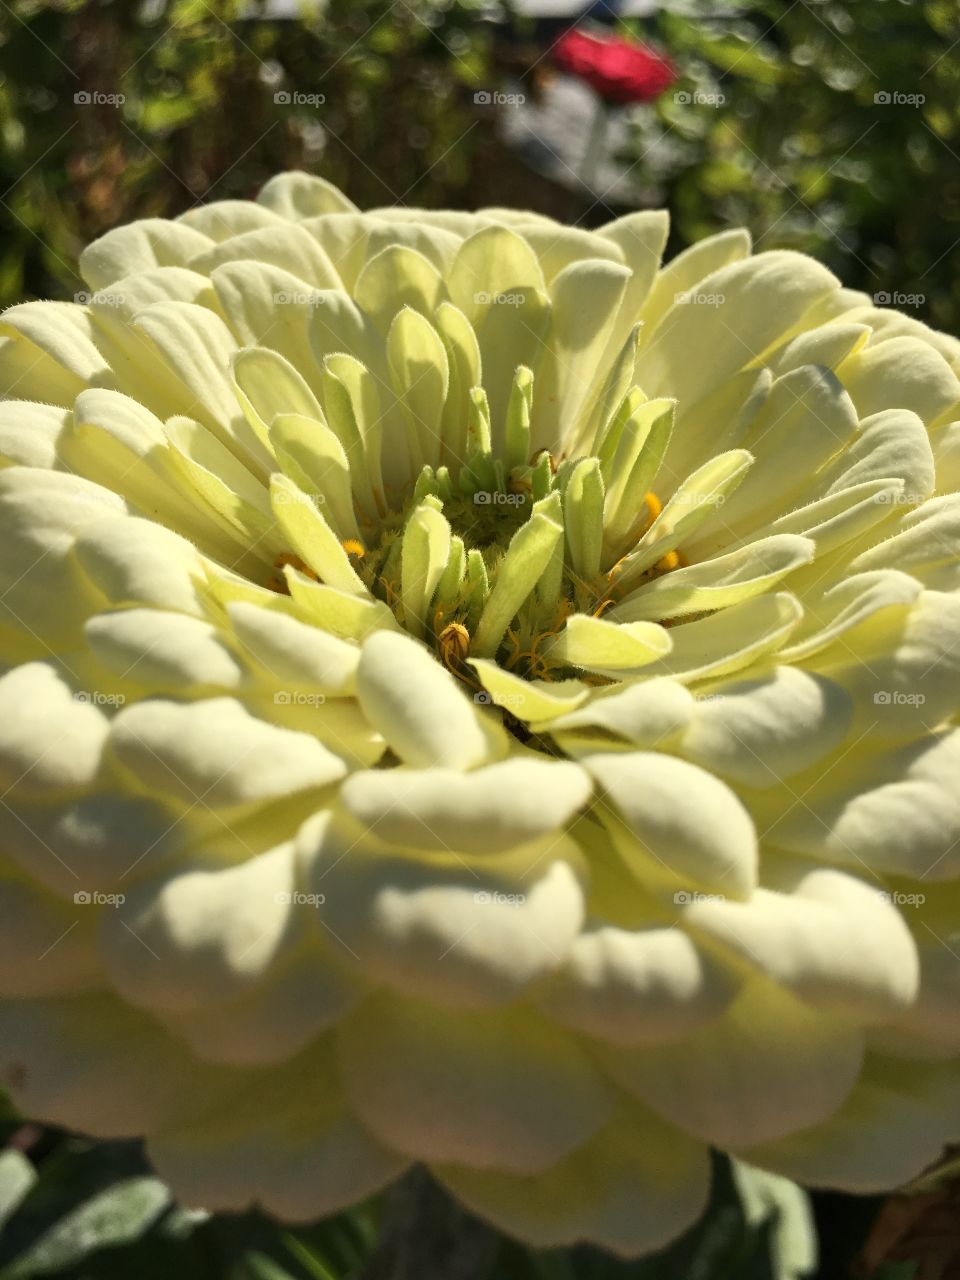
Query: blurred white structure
x=572 y=8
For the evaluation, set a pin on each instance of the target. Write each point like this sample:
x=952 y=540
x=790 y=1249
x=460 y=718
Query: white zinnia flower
x=476 y=696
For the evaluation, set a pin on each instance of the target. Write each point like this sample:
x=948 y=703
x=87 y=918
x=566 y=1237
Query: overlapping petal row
x=475 y=695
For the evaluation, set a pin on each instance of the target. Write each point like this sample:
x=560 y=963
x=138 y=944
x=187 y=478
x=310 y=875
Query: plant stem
x=425 y=1235
x=594 y=150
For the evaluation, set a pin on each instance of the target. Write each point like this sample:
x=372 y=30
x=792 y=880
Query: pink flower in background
x=620 y=71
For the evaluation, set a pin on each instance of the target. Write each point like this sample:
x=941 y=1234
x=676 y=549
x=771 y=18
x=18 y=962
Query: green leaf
x=257 y=1266
x=770 y=1200
x=74 y=1174
x=17 y=1176
x=117 y=1215
x=314 y=1266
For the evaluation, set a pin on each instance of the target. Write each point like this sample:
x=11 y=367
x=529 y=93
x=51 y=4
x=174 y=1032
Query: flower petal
x=494 y=1090
x=894 y=1124
x=631 y=1189
x=768 y=294
x=418 y=707
x=763 y=729
x=215 y=751
x=899 y=814
x=638 y=987
x=768 y=1067
x=678 y=821
x=51 y=740
x=490 y=810
x=468 y=931
x=835 y=941
x=279 y=1139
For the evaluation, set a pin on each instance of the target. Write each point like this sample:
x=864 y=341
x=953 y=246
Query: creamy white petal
x=168 y=652
x=215 y=752
x=892 y=1127
x=280 y=1139
x=465 y=931
x=677 y=823
x=93 y=1064
x=489 y=810
x=46 y=948
x=51 y=738
x=763 y=729
x=769 y=1066
x=497 y=1090
x=839 y=943
x=768 y=294
x=202 y=938
x=295 y=655
x=898 y=815
x=418 y=707
x=631 y=1189
x=638 y=987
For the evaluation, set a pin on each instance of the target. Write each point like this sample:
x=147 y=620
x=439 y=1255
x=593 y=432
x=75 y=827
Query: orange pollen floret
x=654 y=507
x=287 y=557
x=354 y=548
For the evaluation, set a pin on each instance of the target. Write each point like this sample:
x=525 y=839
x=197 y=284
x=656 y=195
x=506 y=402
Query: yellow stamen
x=354 y=548
x=672 y=560
x=391 y=593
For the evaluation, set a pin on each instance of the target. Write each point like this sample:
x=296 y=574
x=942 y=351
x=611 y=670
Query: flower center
x=492 y=532
x=488 y=559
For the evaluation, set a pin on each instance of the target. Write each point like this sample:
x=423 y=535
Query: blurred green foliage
x=89 y=1210
x=800 y=120
x=838 y=134
x=215 y=99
